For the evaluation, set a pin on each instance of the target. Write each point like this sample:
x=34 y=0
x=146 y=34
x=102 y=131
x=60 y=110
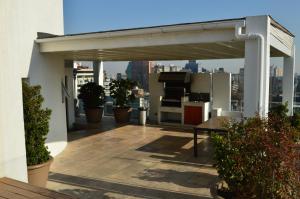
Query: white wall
x=222 y=90
x=156 y=89
x=48 y=71
x=19 y=23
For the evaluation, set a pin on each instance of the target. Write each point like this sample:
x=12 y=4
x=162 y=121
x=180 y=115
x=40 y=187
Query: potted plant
x=258 y=157
x=92 y=96
x=120 y=91
x=36 y=123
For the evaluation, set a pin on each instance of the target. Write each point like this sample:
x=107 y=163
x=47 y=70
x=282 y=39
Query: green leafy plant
x=257 y=158
x=280 y=112
x=36 y=123
x=92 y=95
x=120 y=90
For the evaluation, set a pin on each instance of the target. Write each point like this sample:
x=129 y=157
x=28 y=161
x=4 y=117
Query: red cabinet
x=192 y=115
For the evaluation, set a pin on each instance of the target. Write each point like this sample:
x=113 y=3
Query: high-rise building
x=139 y=71
x=163 y=68
x=192 y=66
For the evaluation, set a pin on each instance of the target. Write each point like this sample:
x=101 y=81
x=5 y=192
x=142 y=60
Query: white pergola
x=255 y=38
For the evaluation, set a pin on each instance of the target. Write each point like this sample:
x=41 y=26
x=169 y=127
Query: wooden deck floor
x=12 y=189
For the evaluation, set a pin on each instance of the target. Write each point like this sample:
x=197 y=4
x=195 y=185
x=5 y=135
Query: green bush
x=280 y=112
x=36 y=123
x=257 y=158
x=120 y=90
x=92 y=95
x=224 y=152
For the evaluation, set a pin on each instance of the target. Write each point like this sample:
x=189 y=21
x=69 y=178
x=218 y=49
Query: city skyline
x=231 y=66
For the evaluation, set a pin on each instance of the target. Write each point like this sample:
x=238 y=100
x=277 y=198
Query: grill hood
x=175 y=77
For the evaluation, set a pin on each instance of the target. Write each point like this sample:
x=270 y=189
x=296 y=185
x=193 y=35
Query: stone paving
x=133 y=161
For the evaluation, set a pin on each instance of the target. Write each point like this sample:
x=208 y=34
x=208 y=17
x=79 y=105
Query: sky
x=99 y=15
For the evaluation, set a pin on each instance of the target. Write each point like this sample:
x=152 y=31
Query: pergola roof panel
x=190 y=41
x=224 y=50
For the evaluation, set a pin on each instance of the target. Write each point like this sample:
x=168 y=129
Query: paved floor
x=132 y=161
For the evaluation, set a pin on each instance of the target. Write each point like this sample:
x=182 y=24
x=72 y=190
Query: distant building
x=297 y=93
x=121 y=76
x=163 y=68
x=275 y=94
x=139 y=71
x=219 y=70
x=83 y=64
x=82 y=75
x=237 y=90
x=106 y=83
x=192 y=66
x=204 y=70
x=276 y=71
x=174 y=68
x=157 y=68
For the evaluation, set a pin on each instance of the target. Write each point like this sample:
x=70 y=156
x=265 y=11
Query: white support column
x=256 y=80
x=288 y=81
x=69 y=85
x=98 y=72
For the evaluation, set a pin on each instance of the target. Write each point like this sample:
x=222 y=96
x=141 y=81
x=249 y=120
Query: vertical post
x=70 y=107
x=98 y=72
x=288 y=81
x=256 y=76
x=195 y=143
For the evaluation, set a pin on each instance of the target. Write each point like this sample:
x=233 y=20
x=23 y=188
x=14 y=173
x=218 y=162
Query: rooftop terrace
x=133 y=162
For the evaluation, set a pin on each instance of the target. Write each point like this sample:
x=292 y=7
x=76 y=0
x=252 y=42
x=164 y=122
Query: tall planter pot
x=38 y=174
x=94 y=115
x=122 y=114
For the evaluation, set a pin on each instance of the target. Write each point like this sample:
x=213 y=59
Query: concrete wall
x=156 y=89
x=201 y=83
x=48 y=71
x=19 y=23
x=222 y=91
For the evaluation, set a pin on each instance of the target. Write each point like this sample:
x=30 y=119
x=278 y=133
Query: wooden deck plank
x=9 y=195
x=41 y=192
x=22 y=192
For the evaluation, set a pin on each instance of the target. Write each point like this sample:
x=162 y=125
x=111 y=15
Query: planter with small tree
x=36 y=123
x=92 y=96
x=258 y=157
x=121 y=92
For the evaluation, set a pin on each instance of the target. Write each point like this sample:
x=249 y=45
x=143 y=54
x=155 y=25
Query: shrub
x=280 y=112
x=257 y=158
x=36 y=123
x=92 y=95
x=120 y=90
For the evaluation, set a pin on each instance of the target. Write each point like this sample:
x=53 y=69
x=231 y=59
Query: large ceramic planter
x=122 y=114
x=38 y=174
x=94 y=115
